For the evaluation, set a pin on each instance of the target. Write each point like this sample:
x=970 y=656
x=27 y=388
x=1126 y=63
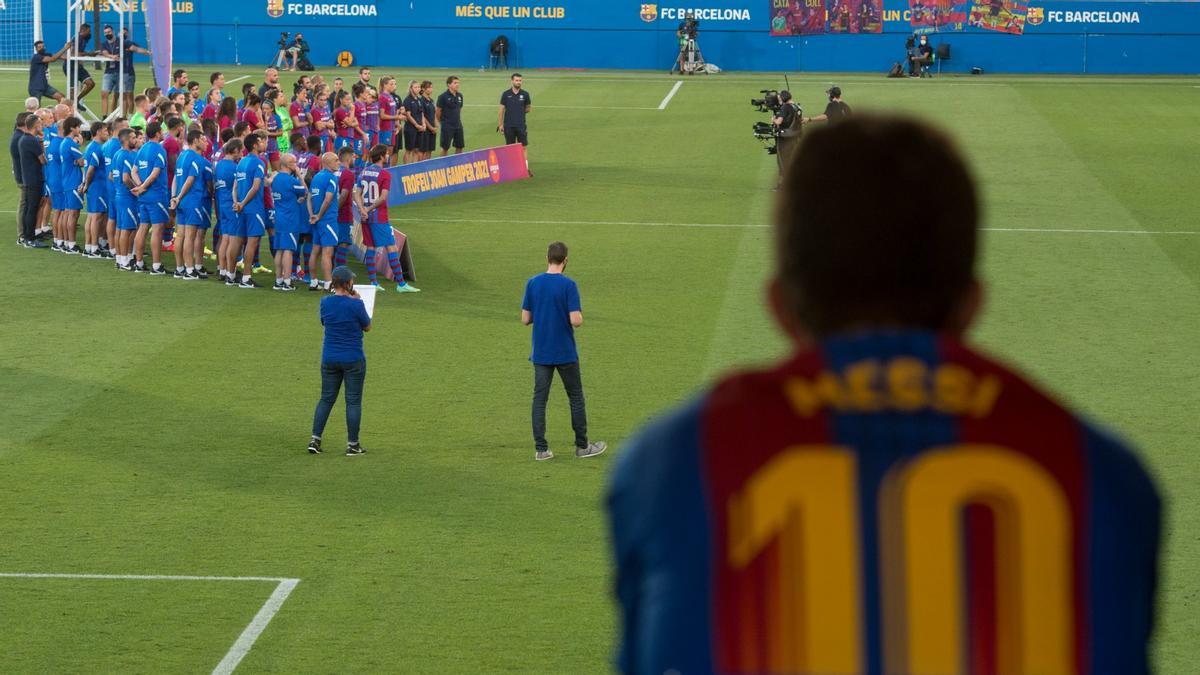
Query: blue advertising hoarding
x=1067 y=36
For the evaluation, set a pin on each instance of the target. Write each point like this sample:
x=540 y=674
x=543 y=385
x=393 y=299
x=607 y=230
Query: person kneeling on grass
x=370 y=194
x=342 y=359
x=291 y=204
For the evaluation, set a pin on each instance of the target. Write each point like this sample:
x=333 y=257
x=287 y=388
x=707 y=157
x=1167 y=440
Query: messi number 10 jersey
x=886 y=503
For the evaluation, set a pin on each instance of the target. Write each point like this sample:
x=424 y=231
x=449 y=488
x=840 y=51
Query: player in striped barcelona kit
x=345 y=125
x=190 y=204
x=347 y=178
x=71 y=159
x=95 y=186
x=249 y=202
x=324 y=202
x=888 y=499
x=224 y=175
x=291 y=218
x=272 y=130
x=151 y=191
x=298 y=112
x=125 y=160
x=109 y=150
x=371 y=119
x=370 y=195
x=389 y=117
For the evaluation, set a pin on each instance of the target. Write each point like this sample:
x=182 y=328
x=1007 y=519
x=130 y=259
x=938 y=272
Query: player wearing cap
x=370 y=195
x=345 y=320
x=888 y=499
x=324 y=219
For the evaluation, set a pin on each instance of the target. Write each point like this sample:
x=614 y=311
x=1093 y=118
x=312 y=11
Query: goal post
x=20 y=26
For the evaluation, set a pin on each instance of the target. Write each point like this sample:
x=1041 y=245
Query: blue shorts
x=343 y=230
x=112 y=202
x=153 y=212
x=385 y=137
x=191 y=216
x=286 y=240
x=127 y=215
x=97 y=199
x=252 y=224
x=382 y=234
x=227 y=222
x=270 y=220
x=56 y=200
x=340 y=142
x=326 y=234
x=71 y=201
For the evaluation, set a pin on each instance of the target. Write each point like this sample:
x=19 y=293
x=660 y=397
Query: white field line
x=237 y=79
x=670 y=95
x=751 y=225
x=564 y=107
x=284 y=587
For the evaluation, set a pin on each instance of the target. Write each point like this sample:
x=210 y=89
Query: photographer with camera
x=835 y=112
x=688 y=29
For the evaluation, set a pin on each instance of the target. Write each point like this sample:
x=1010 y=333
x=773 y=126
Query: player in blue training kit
x=71 y=160
x=151 y=192
x=249 y=187
x=52 y=139
x=888 y=499
x=191 y=188
x=370 y=195
x=95 y=186
x=324 y=219
x=291 y=207
x=112 y=174
x=125 y=163
x=228 y=220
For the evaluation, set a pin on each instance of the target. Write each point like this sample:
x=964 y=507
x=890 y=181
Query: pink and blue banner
x=455 y=173
x=160 y=36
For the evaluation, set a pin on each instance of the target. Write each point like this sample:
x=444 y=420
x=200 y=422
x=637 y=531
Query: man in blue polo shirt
x=552 y=306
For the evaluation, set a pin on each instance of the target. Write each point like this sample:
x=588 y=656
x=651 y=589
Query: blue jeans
x=543 y=376
x=332 y=376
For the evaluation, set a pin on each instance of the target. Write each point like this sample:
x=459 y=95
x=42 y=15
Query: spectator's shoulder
x=658 y=452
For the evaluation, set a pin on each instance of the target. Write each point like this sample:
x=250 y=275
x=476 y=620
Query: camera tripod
x=690 y=60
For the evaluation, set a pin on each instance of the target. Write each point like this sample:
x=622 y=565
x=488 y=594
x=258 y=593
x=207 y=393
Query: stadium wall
x=1060 y=36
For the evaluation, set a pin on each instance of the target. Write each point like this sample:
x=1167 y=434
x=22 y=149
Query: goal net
x=20 y=23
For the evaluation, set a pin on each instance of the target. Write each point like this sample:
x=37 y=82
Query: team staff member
x=32 y=159
x=836 y=111
x=414 y=117
x=551 y=305
x=39 y=71
x=345 y=320
x=14 y=151
x=881 y=480
x=514 y=106
x=449 y=117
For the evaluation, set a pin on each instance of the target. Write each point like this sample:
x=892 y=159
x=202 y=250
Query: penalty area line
x=670 y=95
x=245 y=641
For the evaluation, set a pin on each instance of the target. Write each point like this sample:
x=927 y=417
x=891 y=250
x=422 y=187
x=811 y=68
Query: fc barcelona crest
x=1036 y=16
x=649 y=13
x=274 y=8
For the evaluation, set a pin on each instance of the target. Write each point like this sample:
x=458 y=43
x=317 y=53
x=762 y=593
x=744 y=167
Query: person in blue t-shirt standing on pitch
x=552 y=307
x=342 y=359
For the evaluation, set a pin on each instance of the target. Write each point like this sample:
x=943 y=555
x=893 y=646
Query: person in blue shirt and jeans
x=342 y=359
x=552 y=307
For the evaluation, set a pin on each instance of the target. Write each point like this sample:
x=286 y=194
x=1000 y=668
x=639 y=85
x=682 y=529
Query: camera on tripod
x=284 y=38
x=770 y=102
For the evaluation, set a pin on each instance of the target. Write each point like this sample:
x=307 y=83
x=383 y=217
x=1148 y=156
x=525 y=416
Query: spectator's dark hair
x=379 y=152
x=516 y=75
x=193 y=85
x=31 y=122
x=227 y=135
x=231 y=146
x=556 y=254
x=175 y=75
x=153 y=129
x=228 y=108
x=124 y=134
x=425 y=84
x=97 y=127
x=71 y=124
x=240 y=128
x=363 y=69
x=357 y=89
x=247 y=88
x=252 y=142
x=315 y=143
x=21 y=118
x=153 y=93
x=858 y=241
x=297 y=141
x=450 y=80
x=212 y=79
x=194 y=135
x=119 y=120
x=210 y=128
x=341 y=94
x=346 y=151
x=174 y=123
x=252 y=100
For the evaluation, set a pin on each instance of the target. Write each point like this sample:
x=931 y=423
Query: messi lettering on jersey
x=891 y=502
x=374 y=181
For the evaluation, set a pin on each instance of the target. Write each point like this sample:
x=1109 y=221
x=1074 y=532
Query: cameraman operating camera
x=788 y=117
x=688 y=29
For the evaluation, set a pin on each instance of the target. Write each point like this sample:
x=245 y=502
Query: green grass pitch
x=153 y=427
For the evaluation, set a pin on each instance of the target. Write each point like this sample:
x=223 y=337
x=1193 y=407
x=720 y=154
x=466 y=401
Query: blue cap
x=342 y=275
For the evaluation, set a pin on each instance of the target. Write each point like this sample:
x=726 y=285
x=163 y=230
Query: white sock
x=245 y=277
x=190 y=270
